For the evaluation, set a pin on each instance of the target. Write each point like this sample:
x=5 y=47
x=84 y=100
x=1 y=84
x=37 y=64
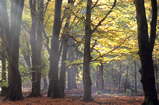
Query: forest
x=79 y=52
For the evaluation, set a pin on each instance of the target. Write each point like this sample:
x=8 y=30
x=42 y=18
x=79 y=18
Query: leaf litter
x=75 y=97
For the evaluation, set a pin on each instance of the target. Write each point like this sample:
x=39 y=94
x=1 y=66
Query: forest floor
x=74 y=97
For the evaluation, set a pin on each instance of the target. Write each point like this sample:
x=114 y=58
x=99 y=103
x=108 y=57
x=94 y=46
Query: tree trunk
x=69 y=72
x=63 y=66
x=101 y=81
x=119 y=78
x=36 y=46
x=6 y=36
x=74 y=72
x=54 y=85
x=14 y=79
x=135 y=75
x=87 y=57
x=65 y=37
x=145 y=53
x=97 y=81
x=126 y=80
x=26 y=53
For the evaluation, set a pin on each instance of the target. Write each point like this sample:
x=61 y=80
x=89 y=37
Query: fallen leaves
x=72 y=98
x=104 y=100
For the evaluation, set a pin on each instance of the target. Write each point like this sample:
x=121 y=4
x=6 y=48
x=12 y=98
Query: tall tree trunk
x=36 y=46
x=4 y=19
x=63 y=66
x=5 y=36
x=65 y=36
x=69 y=70
x=54 y=85
x=101 y=81
x=14 y=79
x=87 y=57
x=145 y=53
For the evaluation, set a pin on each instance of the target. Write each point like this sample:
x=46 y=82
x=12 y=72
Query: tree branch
x=99 y=24
x=93 y=45
x=94 y=4
x=111 y=50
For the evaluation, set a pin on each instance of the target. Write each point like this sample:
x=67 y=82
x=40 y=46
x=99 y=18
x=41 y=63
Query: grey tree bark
x=36 y=45
x=87 y=57
x=11 y=42
x=54 y=86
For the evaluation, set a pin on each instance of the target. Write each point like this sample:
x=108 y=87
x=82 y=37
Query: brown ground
x=75 y=98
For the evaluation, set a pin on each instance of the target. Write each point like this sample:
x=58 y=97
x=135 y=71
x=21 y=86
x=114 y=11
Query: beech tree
x=36 y=8
x=146 y=46
x=101 y=81
x=65 y=37
x=54 y=86
x=10 y=39
x=87 y=50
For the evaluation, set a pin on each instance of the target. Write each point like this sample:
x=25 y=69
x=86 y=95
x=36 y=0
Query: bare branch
x=47 y=39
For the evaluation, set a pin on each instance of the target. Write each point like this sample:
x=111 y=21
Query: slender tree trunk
x=135 y=75
x=145 y=53
x=101 y=81
x=87 y=57
x=74 y=72
x=63 y=66
x=119 y=78
x=126 y=80
x=69 y=70
x=27 y=59
x=97 y=81
x=26 y=54
x=54 y=85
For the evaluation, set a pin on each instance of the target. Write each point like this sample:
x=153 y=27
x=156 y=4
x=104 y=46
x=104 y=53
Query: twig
x=95 y=28
x=112 y=49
